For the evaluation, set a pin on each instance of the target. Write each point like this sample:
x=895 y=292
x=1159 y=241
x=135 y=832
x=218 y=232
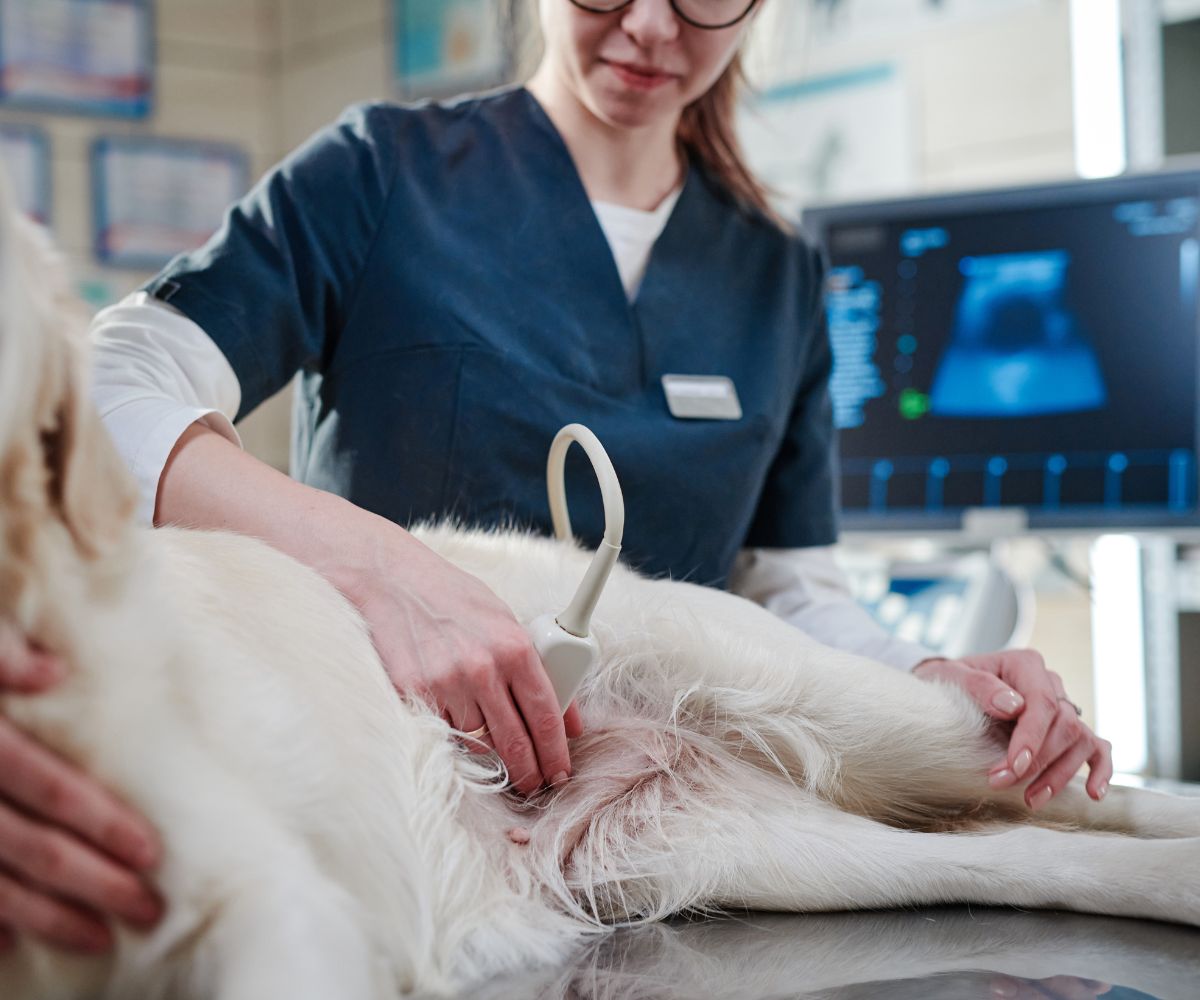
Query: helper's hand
x=445 y=637
x=1049 y=742
x=70 y=853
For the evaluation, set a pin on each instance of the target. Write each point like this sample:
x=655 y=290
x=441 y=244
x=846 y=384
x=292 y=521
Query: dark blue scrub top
x=438 y=276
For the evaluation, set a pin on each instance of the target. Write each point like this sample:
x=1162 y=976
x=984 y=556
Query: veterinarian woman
x=454 y=283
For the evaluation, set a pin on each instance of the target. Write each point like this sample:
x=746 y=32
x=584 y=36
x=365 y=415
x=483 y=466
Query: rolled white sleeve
x=155 y=373
x=806 y=588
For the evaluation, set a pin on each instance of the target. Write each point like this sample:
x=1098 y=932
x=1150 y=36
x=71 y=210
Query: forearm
x=806 y=588
x=208 y=482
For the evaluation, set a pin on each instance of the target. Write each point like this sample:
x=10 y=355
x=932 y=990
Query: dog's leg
x=812 y=856
x=1138 y=812
x=698 y=830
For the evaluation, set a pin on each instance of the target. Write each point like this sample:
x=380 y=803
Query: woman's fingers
x=1049 y=742
x=510 y=737
x=1069 y=742
x=534 y=696
x=47 y=859
x=45 y=786
x=573 y=721
x=7 y=939
x=1100 y=769
x=1027 y=673
x=1066 y=733
x=53 y=921
x=469 y=721
x=995 y=696
x=1054 y=778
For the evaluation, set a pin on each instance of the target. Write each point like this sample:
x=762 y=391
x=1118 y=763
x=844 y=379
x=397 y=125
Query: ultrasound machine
x=1015 y=361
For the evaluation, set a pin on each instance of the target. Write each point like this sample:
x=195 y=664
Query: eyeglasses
x=708 y=14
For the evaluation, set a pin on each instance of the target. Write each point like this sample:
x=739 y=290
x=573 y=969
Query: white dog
x=327 y=839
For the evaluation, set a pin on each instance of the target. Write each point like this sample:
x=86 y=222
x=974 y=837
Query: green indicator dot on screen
x=913 y=404
x=907 y=344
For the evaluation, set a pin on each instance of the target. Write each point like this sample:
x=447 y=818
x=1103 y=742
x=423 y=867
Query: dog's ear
x=55 y=456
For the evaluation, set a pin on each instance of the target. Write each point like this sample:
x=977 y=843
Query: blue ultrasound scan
x=1016 y=349
x=1034 y=349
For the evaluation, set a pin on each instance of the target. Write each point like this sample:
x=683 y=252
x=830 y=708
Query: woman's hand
x=1049 y=742
x=70 y=853
x=445 y=637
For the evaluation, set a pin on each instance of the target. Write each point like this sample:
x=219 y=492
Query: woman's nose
x=650 y=21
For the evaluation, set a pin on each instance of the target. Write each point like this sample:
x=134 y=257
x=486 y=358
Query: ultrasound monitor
x=1028 y=352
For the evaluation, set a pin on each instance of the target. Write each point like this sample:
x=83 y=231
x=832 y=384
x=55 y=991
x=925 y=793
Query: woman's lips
x=639 y=77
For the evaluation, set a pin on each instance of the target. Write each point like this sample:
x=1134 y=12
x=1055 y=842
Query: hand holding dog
x=1049 y=741
x=70 y=853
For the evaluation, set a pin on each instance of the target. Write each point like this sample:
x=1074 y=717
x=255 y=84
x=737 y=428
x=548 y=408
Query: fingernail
x=1022 y=763
x=1040 y=797
x=558 y=779
x=1001 y=779
x=1102 y=790
x=1004 y=990
x=1007 y=702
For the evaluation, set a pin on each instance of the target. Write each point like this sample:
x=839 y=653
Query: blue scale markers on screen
x=1032 y=348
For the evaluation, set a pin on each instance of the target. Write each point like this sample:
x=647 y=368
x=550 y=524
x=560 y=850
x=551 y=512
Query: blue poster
x=78 y=56
x=449 y=46
x=156 y=197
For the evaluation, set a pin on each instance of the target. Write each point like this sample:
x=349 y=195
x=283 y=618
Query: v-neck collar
x=582 y=223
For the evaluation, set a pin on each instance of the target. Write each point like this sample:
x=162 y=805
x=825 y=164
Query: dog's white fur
x=326 y=838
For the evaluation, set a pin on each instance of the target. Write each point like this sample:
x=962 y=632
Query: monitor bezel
x=816 y=222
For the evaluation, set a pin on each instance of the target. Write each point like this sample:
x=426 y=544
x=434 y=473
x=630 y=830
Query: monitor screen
x=1028 y=349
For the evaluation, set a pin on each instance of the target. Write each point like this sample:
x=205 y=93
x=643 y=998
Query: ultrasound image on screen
x=1042 y=357
x=1016 y=350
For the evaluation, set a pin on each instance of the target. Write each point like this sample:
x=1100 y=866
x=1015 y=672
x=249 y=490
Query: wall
x=990 y=94
x=216 y=79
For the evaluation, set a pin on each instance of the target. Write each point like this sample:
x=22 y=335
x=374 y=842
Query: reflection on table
x=954 y=953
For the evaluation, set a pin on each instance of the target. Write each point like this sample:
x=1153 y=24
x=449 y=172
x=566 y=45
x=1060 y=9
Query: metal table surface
x=947 y=953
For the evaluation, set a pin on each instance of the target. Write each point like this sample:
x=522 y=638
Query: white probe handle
x=568 y=652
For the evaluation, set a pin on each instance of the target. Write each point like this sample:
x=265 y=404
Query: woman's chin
x=633 y=110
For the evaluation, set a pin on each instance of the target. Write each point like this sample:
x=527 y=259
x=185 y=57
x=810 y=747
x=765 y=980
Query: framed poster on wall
x=153 y=198
x=25 y=153
x=78 y=56
x=445 y=47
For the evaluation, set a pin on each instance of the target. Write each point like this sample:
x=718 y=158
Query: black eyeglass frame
x=678 y=13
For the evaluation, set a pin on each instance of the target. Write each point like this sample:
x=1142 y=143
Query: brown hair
x=708 y=132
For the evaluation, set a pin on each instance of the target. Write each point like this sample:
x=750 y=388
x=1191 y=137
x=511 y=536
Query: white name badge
x=701 y=397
